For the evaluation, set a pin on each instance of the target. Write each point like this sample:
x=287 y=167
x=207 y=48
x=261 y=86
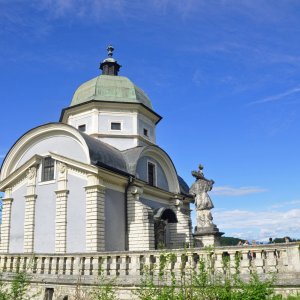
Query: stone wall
x=64 y=273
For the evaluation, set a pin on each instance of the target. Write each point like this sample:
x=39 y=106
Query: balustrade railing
x=278 y=258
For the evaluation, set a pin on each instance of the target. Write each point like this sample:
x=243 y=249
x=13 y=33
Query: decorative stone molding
x=181 y=232
x=61 y=221
x=6 y=220
x=136 y=192
x=29 y=223
x=61 y=208
x=140 y=221
x=95 y=214
x=30 y=200
x=67 y=271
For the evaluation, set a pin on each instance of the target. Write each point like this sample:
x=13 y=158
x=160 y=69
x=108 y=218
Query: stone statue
x=203 y=203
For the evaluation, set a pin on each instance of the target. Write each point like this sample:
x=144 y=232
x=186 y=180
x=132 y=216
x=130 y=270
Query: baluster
x=11 y=264
x=234 y=261
x=271 y=260
x=68 y=265
x=47 y=265
x=134 y=265
x=1 y=263
x=118 y=265
x=284 y=259
x=113 y=265
x=258 y=262
x=83 y=266
x=177 y=265
x=60 y=265
x=72 y=260
x=39 y=265
x=219 y=262
x=95 y=266
x=86 y=265
x=123 y=265
x=26 y=268
x=91 y=266
x=5 y=264
x=245 y=262
x=22 y=264
x=42 y=265
x=55 y=264
x=76 y=265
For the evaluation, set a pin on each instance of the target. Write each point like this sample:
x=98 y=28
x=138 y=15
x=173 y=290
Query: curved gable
x=137 y=159
x=53 y=137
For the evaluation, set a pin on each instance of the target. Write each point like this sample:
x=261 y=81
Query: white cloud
x=277 y=96
x=286 y=203
x=259 y=225
x=240 y=191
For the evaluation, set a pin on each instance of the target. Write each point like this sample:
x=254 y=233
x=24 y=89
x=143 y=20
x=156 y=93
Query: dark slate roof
x=104 y=155
x=184 y=188
x=132 y=155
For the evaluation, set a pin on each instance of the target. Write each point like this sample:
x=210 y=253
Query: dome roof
x=112 y=89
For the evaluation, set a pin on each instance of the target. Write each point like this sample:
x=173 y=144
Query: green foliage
x=230 y=241
x=203 y=283
x=104 y=290
x=18 y=289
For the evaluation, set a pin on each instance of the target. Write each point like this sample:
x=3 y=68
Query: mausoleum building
x=96 y=180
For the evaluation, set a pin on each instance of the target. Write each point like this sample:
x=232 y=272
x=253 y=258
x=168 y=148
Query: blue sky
x=225 y=75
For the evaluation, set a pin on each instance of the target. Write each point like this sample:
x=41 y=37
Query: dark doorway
x=162 y=217
x=49 y=294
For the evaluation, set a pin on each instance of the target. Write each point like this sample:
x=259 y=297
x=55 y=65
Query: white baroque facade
x=96 y=180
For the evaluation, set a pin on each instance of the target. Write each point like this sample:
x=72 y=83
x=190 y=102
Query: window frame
x=154 y=180
x=146 y=132
x=82 y=126
x=46 y=179
x=115 y=122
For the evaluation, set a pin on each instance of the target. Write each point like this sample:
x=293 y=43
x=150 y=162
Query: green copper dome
x=110 y=88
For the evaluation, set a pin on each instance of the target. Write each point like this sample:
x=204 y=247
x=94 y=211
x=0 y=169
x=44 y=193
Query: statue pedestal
x=207 y=236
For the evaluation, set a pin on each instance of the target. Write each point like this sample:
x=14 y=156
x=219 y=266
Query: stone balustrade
x=127 y=267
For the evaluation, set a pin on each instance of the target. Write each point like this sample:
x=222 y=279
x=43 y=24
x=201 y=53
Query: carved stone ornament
x=203 y=203
x=62 y=168
x=136 y=191
x=178 y=203
x=31 y=173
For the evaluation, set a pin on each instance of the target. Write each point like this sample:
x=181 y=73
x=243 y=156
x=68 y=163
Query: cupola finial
x=110 y=66
x=110 y=50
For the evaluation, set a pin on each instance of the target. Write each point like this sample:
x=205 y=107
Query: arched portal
x=162 y=217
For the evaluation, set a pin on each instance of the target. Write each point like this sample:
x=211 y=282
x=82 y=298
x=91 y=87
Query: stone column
x=6 y=219
x=95 y=214
x=29 y=219
x=140 y=222
x=61 y=209
x=181 y=232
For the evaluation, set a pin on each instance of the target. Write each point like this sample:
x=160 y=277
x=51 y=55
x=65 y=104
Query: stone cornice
x=75 y=163
x=35 y=160
x=103 y=105
x=33 y=136
x=33 y=196
x=7 y=200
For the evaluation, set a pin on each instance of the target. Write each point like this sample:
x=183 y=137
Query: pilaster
x=61 y=209
x=95 y=214
x=140 y=222
x=29 y=220
x=6 y=219
x=181 y=232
